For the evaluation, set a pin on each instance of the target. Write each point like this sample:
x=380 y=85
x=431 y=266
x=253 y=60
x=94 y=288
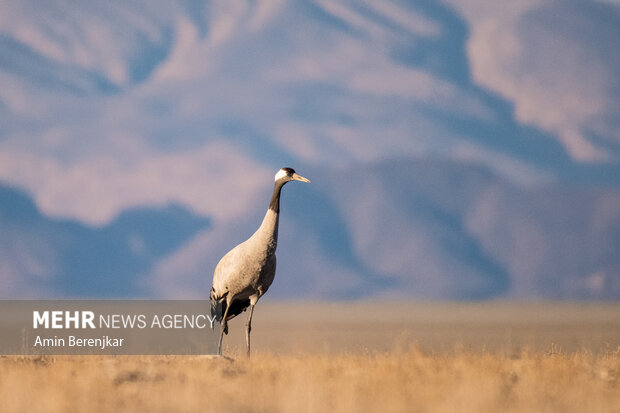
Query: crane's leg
x=219 y=346
x=248 y=328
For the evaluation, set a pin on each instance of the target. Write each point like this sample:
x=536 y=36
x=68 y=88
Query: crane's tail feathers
x=217 y=307
x=217 y=310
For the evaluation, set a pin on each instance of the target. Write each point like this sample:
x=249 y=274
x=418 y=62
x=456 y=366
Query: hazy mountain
x=43 y=257
x=458 y=149
x=406 y=228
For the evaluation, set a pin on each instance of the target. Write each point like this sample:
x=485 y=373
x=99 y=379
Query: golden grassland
x=408 y=381
x=327 y=358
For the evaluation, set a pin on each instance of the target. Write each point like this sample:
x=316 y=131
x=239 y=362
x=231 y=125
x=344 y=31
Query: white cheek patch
x=281 y=174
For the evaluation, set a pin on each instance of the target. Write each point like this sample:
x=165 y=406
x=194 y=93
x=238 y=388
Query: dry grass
x=354 y=357
x=406 y=381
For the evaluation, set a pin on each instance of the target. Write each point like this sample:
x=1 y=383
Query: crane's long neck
x=274 y=205
x=268 y=229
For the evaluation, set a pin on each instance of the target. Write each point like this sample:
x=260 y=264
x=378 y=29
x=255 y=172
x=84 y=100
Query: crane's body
x=254 y=264
x=246 y=272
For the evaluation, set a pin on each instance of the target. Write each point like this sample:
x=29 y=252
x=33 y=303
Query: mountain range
x=457 y=149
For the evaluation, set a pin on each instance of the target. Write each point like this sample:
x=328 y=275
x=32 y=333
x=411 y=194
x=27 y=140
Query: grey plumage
x=245 y=273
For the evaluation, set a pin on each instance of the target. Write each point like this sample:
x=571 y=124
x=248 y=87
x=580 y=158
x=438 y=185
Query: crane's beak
x=300 y=178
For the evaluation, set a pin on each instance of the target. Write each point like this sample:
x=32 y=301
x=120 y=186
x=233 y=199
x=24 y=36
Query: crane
x=245 y=273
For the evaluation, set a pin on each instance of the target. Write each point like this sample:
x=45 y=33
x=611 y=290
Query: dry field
x=329 y=358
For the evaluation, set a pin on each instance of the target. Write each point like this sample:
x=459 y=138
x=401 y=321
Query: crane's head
x=285 y=175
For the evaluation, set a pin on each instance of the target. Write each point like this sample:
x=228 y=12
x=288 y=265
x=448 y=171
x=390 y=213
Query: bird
x=246 y=272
